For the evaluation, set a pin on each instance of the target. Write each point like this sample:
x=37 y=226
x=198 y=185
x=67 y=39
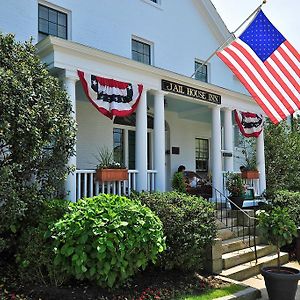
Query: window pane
x=62 y=19
x=141 y=52
x=53 y=29
x=201 y=154
x=52 y=16
x=134 y=45
x=118 y=138
x=43 y=12
x=201 y=73
x=43 y=25
x=62 y=32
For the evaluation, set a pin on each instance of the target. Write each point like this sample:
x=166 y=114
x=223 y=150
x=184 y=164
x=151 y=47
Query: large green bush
x=290 y=201
x=35 y=255
x=106 y=239
x=189 y=226
x=37 y=135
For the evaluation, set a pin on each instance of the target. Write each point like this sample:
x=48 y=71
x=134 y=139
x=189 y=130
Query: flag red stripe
x=288 y=60
x=263 y=75
x=293 y=50
x=112 y=83
x=249 y=88
x=285 y=72
x=282 y=83
x=256 y=82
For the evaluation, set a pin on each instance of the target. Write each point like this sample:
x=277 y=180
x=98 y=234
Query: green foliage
x=35 y=254
x=189 y=226
x=282 y=153
x=106 y=239
x=105 y=158
x=234 y=184
x=37 y=135
x=277 y=227
x=248 y=146
x=291 y=201
x=178 y=183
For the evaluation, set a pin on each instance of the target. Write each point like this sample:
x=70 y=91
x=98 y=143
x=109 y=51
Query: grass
x=216 y=293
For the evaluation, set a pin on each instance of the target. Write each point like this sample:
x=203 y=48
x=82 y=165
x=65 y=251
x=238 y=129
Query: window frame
x=58 y=9
x=207 y=66
x=199 y=158
x=144 y=42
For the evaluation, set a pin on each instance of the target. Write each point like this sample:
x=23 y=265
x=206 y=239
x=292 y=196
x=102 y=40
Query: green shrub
x=178 y=183
x=106 y=239
x=189 y=226
x=35 y=254
x=291 y=201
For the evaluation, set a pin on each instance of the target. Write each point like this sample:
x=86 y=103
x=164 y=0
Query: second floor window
x=201 y=73
x=141 y=52
x=52 y=22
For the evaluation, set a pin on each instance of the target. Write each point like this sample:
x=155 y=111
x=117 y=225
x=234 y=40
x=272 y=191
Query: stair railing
x=227 y=210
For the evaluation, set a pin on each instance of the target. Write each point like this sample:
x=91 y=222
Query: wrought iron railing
x=232 y=216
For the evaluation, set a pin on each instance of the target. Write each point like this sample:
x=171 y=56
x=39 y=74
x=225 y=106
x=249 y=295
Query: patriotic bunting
x=268 y=66
x=250 y=124
x=109 y=96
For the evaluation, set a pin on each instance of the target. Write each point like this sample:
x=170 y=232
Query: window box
x=103 y=175
x=250 y=174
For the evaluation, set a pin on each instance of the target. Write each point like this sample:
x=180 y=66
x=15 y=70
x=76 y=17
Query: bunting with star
x=268 y=66
x=109 y=96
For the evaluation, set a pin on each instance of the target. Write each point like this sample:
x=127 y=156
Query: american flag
x=268 y=66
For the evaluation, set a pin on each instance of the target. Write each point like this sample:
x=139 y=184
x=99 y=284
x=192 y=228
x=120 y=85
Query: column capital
x=159 y=92
x=71 y=75
x=228 y=108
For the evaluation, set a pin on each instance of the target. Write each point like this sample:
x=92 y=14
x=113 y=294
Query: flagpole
x=231 y=34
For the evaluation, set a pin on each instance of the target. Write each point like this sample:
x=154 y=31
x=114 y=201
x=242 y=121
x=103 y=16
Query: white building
x=156 y=43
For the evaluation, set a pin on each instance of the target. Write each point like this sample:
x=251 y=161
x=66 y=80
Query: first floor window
x=201 y=71
x=202 y=155
x=118 y=136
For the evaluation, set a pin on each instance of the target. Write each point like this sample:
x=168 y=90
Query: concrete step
x=245 y=255
x=238 y=243
x=249 y=269
x=228 y=222
x=226 y=234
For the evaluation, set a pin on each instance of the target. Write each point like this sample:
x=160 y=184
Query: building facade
x=156 y=43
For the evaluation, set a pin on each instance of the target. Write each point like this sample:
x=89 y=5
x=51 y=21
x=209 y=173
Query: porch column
x=260 y=160
x=216 y=158
x=70 y=184
x=228 y=139
x=141 y=143
x=159 y=142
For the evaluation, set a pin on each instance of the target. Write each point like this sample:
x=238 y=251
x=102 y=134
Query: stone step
x=238 y=243
x=249 y=269
x=228 y=222
x=245 y=255
x=238 y=231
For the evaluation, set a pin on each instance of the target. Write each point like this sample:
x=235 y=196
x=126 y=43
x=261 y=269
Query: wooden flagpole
x=231 y=36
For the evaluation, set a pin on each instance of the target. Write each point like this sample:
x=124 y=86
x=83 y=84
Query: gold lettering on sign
x=213 y=98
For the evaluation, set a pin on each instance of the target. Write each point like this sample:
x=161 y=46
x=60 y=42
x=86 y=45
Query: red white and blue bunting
x=109 y=96
x=250 y=124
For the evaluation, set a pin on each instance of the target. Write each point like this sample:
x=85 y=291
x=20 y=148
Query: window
x=201 y=72
x=118 y=135
x=237 y=136
x=202 y=155
x=141 y=52
x=155 y=1
x=52 y=22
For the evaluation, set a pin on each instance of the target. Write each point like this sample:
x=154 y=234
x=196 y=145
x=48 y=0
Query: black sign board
x=184 y=90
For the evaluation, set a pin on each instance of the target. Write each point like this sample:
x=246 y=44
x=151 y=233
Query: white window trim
x=157 y=5
x=151 y=44
x=208 y=68
x=63 y=10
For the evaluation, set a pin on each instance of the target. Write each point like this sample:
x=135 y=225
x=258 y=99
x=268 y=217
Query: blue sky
x=285 y=15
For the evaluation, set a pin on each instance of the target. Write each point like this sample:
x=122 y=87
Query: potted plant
x=249 y=169
x=279 y=229
x=236 y=188
x=107 y=169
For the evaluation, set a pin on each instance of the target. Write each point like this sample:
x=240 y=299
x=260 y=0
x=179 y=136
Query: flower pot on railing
x=250 y=174
x=237 y=200
x=103 y=175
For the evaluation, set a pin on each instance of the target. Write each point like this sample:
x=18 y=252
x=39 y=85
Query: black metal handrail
x=222 y=207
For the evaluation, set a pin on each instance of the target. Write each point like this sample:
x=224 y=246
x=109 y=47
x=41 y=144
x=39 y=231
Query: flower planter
x=237 y=200
x=281 y=284
x=251 y=174
x=103 y=175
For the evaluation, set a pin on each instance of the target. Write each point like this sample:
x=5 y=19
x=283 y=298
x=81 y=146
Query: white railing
x=88 y=186
x=253 y=183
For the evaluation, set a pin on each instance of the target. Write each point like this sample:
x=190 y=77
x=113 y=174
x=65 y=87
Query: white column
x=70 y=185
x=141 y=143
x=228 y=132
x=260 y=161
x=159 y=142
x=216 y=158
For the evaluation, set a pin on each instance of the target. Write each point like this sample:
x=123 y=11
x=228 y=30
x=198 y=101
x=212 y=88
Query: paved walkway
x=259 y=283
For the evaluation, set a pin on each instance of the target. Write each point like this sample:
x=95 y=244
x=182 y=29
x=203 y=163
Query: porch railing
x=87 y=186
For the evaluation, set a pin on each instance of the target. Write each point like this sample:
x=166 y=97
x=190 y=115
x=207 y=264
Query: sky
x=284 y=14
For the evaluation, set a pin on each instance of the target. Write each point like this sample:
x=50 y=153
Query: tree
x=37 y=136
x=282 y=152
